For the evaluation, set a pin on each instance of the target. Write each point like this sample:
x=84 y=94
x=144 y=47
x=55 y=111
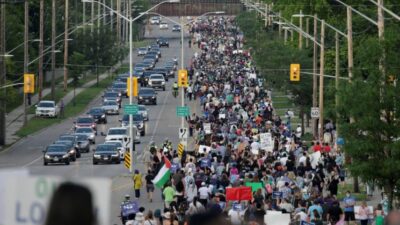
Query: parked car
x=89 y=132
x=56 y=154
x=119 y=146
x=155 y=20
x=163 y=42
x=71 y=148
x=157 y=81
x=147 y=95
x=106 y=153
x=111 y=107
x=98 y=114
x=112 y=96
x=82 y=143
x=142 y=51
x=138 y=121
x=144 y=112
x=176 y=28
x=163 y=25
x=85 y=121
x=46 y=109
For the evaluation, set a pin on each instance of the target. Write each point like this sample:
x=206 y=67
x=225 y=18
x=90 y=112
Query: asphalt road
x=163 y=123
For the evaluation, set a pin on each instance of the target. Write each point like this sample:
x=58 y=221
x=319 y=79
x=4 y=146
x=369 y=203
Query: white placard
x=371 y=211
x=315 y=159
x=204 y=149
x=222 y=116
x=28 y=198
x=266 y=142
x=183 y=133
x=207 y=128
x=277 y=219
x=314 y=112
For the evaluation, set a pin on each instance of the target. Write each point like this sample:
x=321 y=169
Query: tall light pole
x=66 y=46
x=131 y=20
x=41 y=45
x=321 y=80
x=53 y=56
x=26 y=52
x=2 y=74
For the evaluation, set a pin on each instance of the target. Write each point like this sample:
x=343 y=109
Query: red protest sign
x=239 y=193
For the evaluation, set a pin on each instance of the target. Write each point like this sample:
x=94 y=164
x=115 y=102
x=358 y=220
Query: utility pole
x=315 y=81
x=112 y=16
x=308 y=31
x=92 y=17
x=280 y=24
x=301 y=28
x=337 y=67
x=53 y=49
x=350 y=43
x=66 y=45
x=266 y=15
x=2 y=74
x=26 y=52
x=41 y=44
x=104 y=13
x=381 y=31
x=321 y=80
x=98 y=16
x=84 y=13
x=285 y=35
x=118 y=21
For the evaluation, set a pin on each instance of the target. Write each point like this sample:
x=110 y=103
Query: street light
x=44 y=53
x=32 y=40
x=131 y=20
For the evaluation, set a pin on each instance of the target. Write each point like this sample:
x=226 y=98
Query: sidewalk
x=15 y=119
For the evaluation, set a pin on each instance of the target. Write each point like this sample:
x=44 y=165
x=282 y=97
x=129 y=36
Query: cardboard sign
x=205 y=163
x=239 y=194
x=174 y=167
x=28 y=198
x=277 y=194
x=254 y=185
x=266 y=142
x=207 y=128
x=277 y=219
x=315 y=159
x=237 y=207
x=128 y=208
x=204 y=149
x=370 y=209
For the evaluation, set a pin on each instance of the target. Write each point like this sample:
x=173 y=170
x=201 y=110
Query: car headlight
x=65 y=156
x=140 y=97
x=115 y=155
x=72 y=151
x=163 y=82
x=47 y=156
x=103 y=116
x=96 y=156
x=153 y=97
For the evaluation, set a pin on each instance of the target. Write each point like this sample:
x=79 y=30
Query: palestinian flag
x=163 y=175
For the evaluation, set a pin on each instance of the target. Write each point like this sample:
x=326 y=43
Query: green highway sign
x=131 y=109
x=182 y=111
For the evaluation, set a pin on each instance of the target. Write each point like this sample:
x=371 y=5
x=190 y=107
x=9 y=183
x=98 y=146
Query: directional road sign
x=131 y=109
x=182 y=111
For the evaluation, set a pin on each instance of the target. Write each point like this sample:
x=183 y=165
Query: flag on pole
x=238 y=194
x=163 y=175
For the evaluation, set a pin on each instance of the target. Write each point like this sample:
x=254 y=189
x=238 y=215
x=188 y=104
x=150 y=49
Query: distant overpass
x=198 y=7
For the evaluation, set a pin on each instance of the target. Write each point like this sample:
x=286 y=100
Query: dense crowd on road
x=241 y=144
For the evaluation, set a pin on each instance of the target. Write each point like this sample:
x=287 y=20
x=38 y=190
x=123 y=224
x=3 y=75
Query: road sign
x=127 y=160
x=131 y=109
x=182 y=111
x=314 y=112
x=181 y=149
x=183 y=133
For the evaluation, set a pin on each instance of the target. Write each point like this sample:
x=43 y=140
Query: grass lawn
x=82 y=101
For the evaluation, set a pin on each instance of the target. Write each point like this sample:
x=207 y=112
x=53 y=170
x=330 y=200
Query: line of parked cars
x=68 y=147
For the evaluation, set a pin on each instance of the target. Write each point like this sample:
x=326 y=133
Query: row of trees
x=87 y=50
x=368 y=104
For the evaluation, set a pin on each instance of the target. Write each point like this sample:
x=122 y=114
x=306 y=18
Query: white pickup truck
x=121 y=134
x=157 y=81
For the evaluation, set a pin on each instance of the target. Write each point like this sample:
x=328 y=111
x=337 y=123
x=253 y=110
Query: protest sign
x=254 y=185
x=277 y=219
x=266 y=142
x=277 y=194
x=204 y=149
x=239 y=194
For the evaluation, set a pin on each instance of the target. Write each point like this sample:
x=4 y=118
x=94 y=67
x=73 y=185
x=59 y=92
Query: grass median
x=82 y=100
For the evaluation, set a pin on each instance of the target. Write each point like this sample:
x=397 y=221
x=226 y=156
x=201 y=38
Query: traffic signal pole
x=26 y=54
x=321 y=81
x=182 y=67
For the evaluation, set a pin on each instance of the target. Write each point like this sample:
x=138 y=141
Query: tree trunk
x=308 y=119
x=356 y=185
x=389 y=190
x=302 y=120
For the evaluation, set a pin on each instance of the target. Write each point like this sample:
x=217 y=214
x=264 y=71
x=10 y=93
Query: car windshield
x=110 y=103
x=105 y=148
x=146 y=91
x=142 y=49
x=117 y=132
x=83 y=130
x=67 y=143
x=119 y=85
x=46 y=104
x=67 y=138
x=156 y=77
x=136 y=117
x=56 y=148
x=96 y=111
x=85 y=120
x=81 y=137
x=111 y=95
x=142 y=108
x=118 y=144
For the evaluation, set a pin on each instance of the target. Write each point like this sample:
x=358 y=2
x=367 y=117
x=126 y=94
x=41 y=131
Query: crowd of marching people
x=249 y=165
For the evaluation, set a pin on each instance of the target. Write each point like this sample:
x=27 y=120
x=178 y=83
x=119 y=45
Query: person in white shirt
x=303 y=159
x=298 y=131
x=204 y=194
x=236 y=216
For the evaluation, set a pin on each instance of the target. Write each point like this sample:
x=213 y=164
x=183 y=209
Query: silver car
x=144 y=112
x=91 y=134
x=111 y=107
x=142 y=51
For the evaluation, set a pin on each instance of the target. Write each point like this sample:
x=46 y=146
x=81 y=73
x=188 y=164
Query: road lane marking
x=32 y=162
x=159 y=117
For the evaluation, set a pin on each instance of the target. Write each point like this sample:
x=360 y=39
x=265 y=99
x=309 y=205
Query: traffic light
x=134 y=85
x=29 y=83
x=294 y=72
x=182 y=78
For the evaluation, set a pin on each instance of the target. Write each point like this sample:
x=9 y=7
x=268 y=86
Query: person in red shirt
x=327 y=148
x=317 y=147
